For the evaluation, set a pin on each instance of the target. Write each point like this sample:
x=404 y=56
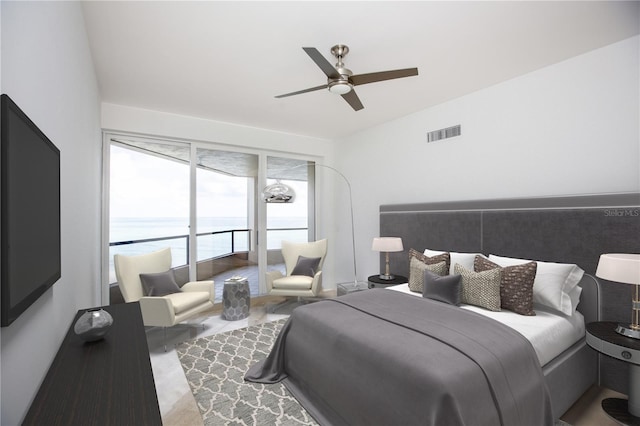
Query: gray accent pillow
x=443 y=289
x=306 y=266
x=480 y=288
x=159 y=284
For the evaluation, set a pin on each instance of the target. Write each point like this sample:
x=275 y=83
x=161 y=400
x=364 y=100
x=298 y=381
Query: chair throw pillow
x=516 y=284
x=418 y=263
x=159 y=284
x=443 y=289
x=306 y=266
x=480 y=288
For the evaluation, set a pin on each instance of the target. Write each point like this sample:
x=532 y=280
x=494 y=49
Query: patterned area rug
x=215 y=368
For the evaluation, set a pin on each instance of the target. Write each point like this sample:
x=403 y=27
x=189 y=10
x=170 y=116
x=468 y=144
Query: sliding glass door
x=205 y=204
x=149 y=200
x=289 y=221
x=226 y=219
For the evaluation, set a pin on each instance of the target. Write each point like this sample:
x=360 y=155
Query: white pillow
x=554 y=285
x=575 y=296
x=463 y=259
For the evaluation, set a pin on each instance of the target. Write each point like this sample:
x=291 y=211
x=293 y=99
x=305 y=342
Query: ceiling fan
x=341 y=80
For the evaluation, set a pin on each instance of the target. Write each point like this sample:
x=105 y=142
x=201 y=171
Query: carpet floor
x=215 y=367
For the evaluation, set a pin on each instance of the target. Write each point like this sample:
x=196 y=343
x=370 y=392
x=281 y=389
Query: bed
x=364 y=359
x=572 y=229
x=556 y=230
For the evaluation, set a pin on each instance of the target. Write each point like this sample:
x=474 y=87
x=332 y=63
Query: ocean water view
x=208 y=246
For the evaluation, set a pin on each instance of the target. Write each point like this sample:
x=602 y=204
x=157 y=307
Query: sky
x=144 y=186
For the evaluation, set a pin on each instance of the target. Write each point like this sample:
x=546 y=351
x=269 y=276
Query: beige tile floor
x=178 y=407
x=587 y=411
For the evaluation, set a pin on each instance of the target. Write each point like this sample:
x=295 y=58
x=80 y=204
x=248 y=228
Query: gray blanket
x=380 y=357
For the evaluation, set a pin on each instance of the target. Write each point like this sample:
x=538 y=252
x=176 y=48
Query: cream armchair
x=167 y=310
x=293 y=284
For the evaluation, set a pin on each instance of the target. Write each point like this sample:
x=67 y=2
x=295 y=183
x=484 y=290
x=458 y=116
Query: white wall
x=47 y=71
x=157 y=123
x=570 y=128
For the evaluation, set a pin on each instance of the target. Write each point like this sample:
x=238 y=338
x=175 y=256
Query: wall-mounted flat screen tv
x=30 y=212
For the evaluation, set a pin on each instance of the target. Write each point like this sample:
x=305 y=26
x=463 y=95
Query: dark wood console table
x=108 y=382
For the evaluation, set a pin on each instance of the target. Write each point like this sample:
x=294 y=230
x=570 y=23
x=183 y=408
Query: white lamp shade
x=387 y=244
x=618 y=267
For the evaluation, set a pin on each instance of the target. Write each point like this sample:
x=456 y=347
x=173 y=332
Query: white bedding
x=550 y=334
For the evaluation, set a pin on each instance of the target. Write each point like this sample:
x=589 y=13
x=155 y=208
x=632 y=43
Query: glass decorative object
x=93 y=324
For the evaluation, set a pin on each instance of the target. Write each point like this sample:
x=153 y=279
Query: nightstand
x=602 y=337
x=376 y=282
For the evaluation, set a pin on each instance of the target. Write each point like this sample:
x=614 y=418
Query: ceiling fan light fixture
x=340 y=80
x=340 y=87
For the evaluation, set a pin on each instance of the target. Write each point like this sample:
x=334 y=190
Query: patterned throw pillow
x=430 y=260
x=554 y=283
x=418 y=263
x=516 y=284
x=480 y=288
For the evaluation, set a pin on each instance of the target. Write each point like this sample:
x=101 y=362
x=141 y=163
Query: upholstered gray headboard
x=575 y=229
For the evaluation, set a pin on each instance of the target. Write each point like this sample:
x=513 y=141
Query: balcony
x=161 y=189
x=221 y=255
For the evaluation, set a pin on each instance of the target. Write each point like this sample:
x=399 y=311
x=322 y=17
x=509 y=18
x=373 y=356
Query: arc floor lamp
x=280 y=193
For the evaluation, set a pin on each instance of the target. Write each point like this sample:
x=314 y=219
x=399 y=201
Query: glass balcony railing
x=210 y=245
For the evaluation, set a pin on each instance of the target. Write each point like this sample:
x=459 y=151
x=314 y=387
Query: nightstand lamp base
x=631 y=330
x=387 y=277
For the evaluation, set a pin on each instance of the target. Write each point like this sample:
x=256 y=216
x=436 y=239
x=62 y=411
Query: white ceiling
x=226 y=61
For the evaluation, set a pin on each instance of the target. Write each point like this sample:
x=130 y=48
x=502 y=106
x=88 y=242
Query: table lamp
x=387 y=245
x=623 y=268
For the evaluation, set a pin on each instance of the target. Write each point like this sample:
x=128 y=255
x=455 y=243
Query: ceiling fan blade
x=322 y=62
x=353 y=100
x=381 y=76
x=312 y=89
